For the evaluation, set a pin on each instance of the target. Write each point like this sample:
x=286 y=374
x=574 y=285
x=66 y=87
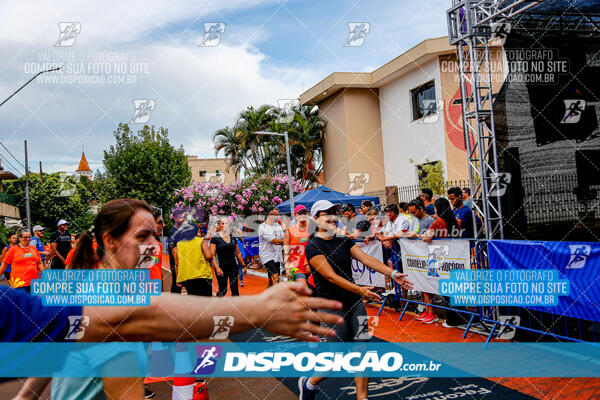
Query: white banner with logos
x=365 y=276
x=427 y=263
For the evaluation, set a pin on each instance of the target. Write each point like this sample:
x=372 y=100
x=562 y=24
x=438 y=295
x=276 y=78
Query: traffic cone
x=200 y=391
x=183 y=387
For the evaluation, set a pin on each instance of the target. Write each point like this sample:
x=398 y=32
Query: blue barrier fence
x=534 y=324
x=542 y=324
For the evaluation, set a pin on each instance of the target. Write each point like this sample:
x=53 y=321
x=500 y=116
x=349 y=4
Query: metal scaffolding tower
x=471 y=25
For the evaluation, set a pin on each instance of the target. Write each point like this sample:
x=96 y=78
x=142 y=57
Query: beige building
x=382 y=126
x=8 y=203
x=211 y=170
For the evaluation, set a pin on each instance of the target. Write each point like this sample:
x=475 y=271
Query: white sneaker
x=445 y=325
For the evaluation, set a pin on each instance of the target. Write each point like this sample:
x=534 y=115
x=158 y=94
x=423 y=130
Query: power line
x=12 y=154
x=10 y=165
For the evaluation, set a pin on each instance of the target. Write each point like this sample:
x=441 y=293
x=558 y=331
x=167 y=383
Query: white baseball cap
x=321 y=205
x=62 y=222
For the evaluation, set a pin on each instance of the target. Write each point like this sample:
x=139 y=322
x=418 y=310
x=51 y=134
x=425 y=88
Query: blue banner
x=294 y=359
x=251 y=245
x=576 y=262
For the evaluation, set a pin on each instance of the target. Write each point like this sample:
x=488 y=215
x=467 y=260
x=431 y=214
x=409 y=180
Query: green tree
x=265 y=155
x=57 y=196
x=306 y=140
x=4 y=233
x=143 y=165
x=431 y=175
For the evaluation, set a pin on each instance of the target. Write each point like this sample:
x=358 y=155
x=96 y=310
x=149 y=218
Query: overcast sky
x=269 y=50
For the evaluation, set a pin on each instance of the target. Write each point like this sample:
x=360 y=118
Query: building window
x=219 y=172
x=430 y=172
x=423 y=100
x=202 y=174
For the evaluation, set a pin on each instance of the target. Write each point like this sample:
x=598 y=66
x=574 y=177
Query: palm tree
x=306 y=139
x=225 y=140
x=249 y=121
x=260 y=155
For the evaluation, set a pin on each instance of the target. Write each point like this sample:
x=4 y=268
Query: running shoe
x=445 y=325
x=305 y=392
x=422 y=316
x=148 y=394
x=430 y=319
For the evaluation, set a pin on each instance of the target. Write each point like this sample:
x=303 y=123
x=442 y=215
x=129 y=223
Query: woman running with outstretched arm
x=329 y=257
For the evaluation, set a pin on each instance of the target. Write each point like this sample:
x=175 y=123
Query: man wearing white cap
x=330 y=259
x=60 y=245
x=36 y=241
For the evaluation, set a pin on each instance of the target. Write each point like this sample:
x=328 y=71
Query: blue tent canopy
x=309 y=197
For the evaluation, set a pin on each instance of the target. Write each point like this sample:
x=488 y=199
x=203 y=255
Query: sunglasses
x=160 y=222
x=25 y=237
x=331 y=211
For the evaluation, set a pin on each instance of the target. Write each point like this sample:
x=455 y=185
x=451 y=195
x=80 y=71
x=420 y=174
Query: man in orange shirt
x=25 y=261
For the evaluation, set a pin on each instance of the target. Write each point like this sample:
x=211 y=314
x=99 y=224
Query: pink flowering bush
x=251 y=196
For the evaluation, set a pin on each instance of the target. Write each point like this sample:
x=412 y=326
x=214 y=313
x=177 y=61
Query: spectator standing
x=463 y=214
x=270 y=242
x=396 y=226
x=60 y=245
x=13 y=240
x=365 y=207
x=349 y=220
x=424 y=221
x=466 y=195
x=370 y=227
x=446 y=225
x=426 y=196
x=37 y=242
x=414 y=223
x=417 y=209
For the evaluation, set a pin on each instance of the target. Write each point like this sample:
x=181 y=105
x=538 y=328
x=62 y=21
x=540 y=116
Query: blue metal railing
x=533 y=321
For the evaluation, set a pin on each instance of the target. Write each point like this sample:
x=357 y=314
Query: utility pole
x=289 y=168
x=289 y=171
x=41 y=179
x=27 y=210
